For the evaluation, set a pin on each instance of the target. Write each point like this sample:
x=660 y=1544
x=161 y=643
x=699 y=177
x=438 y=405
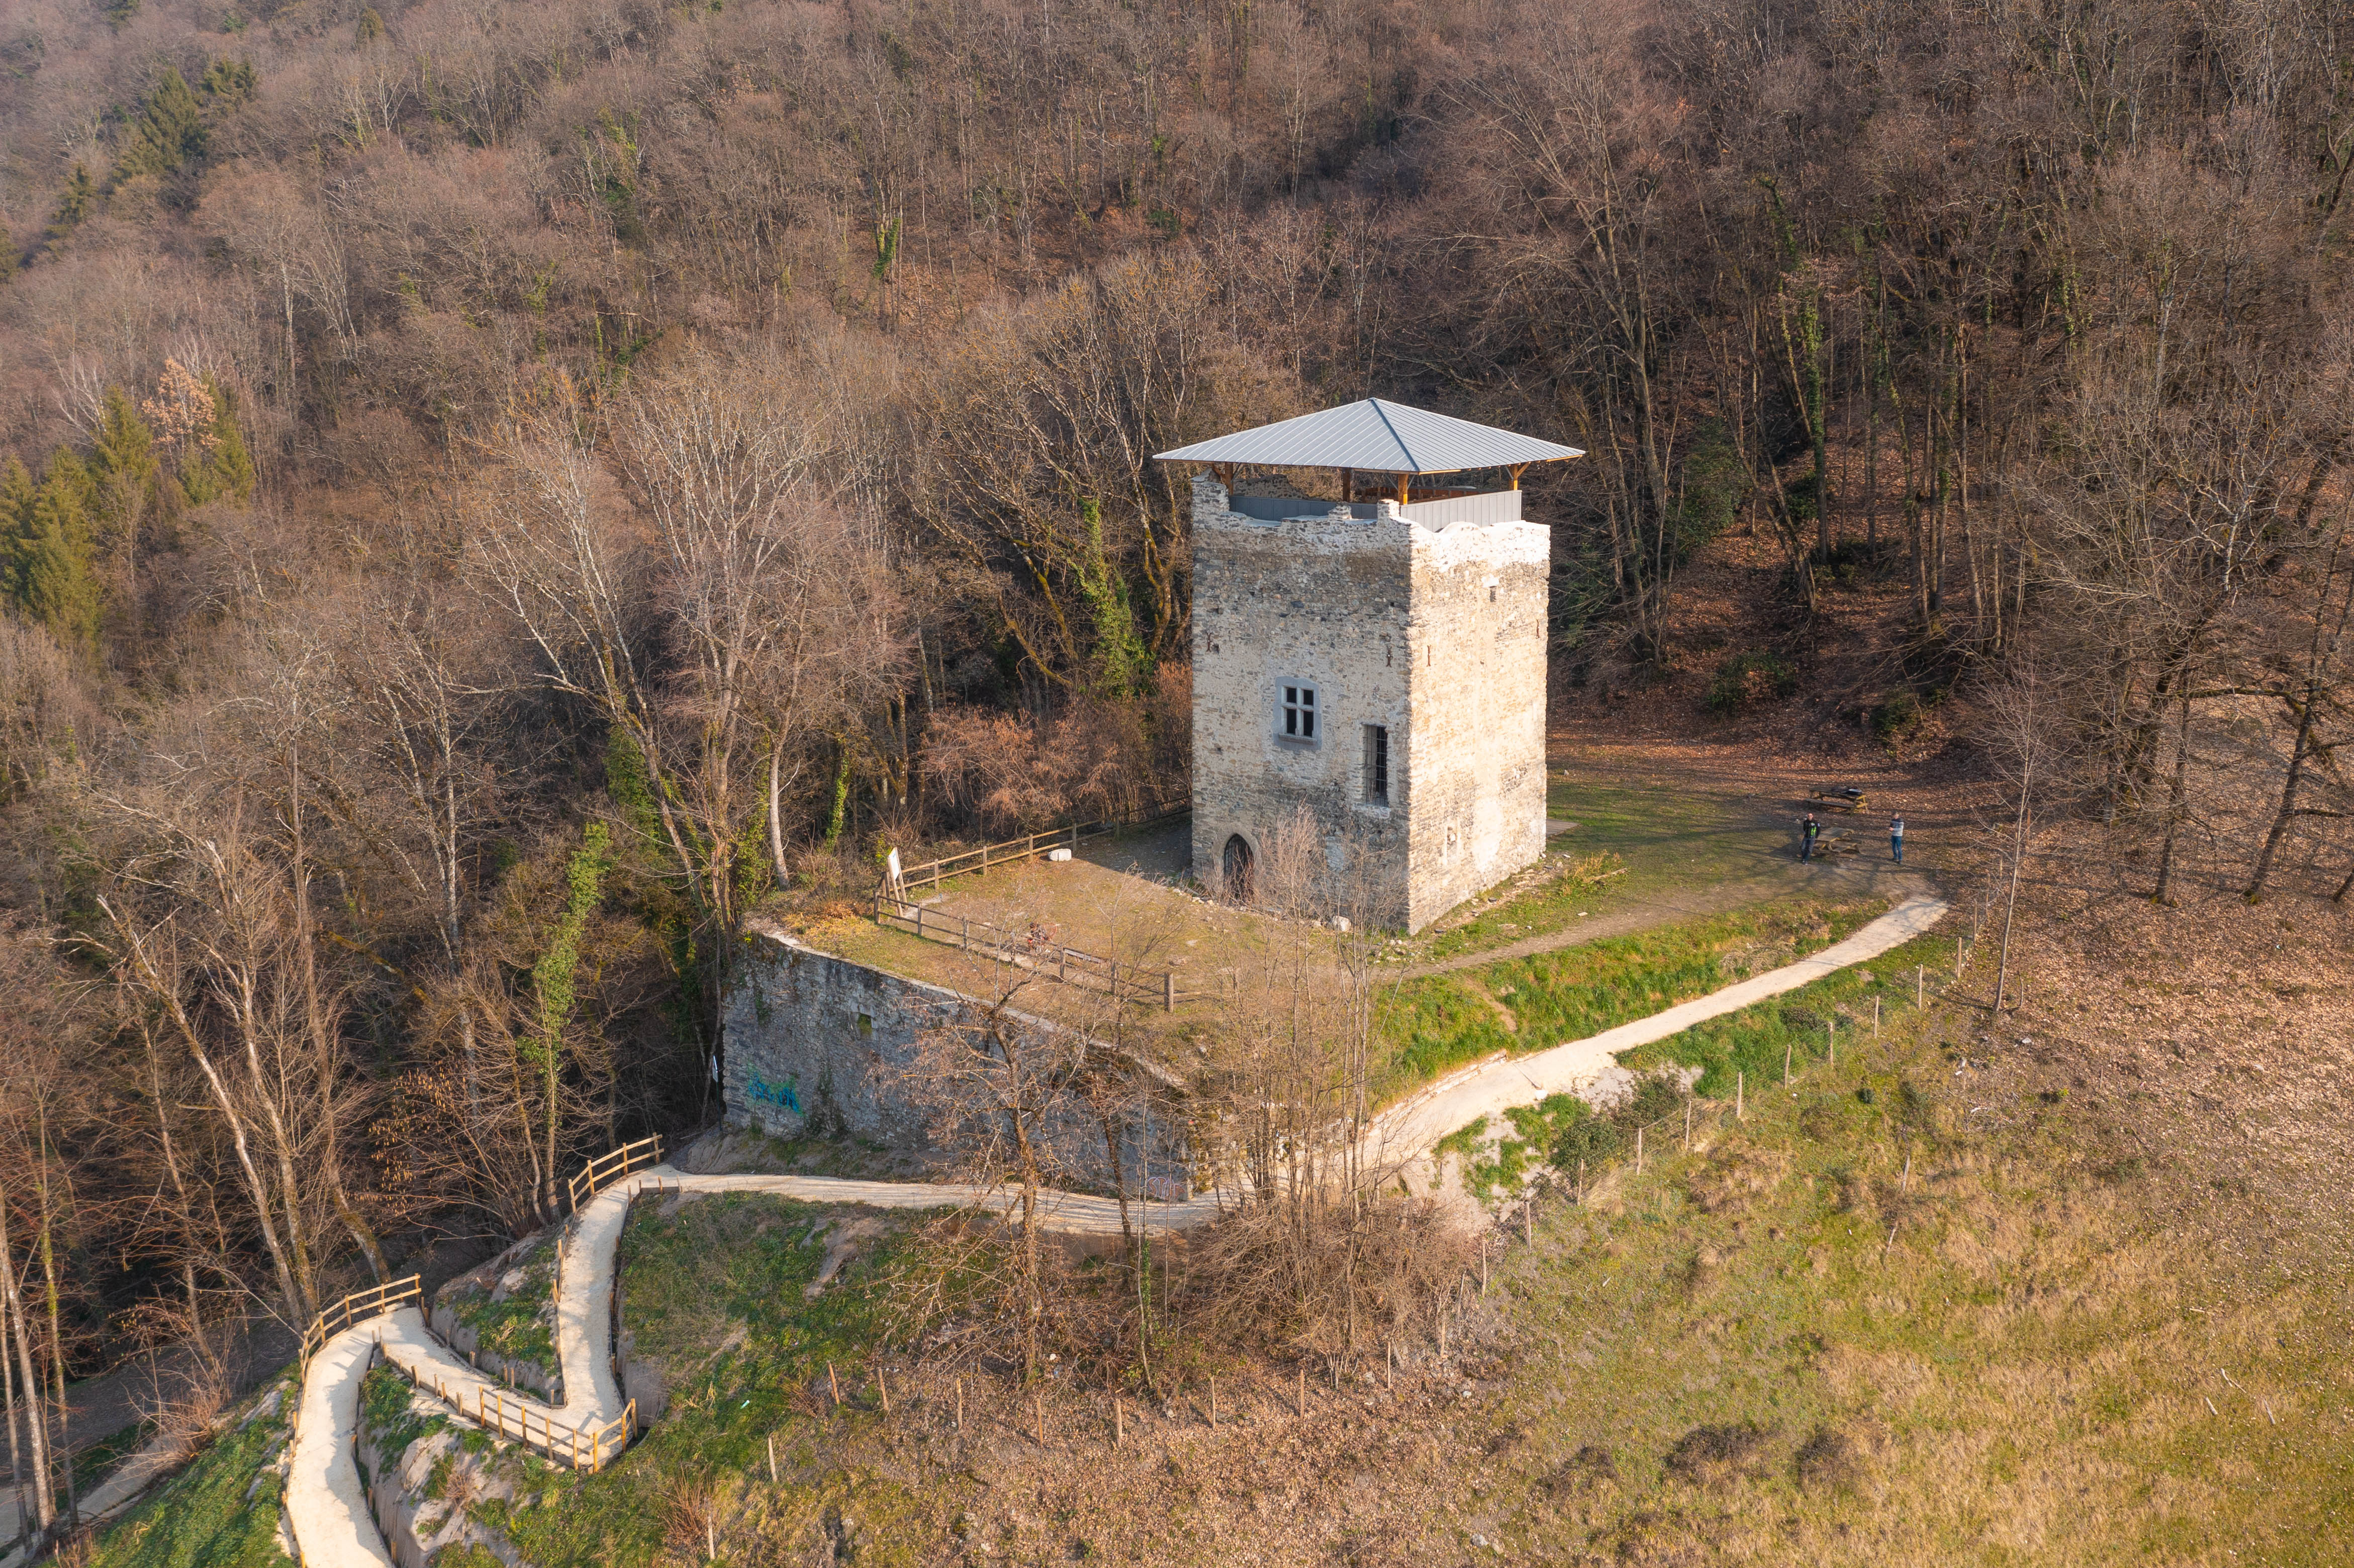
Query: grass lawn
x=1544 y=999
x=520 y=1323
x=717 y=1293
x=1902 y=1315
x=222 y=1511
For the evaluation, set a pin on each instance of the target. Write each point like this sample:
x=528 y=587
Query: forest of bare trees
x=498 y=491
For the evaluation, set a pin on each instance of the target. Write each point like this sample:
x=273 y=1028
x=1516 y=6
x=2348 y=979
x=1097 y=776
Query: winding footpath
x=327 y=1505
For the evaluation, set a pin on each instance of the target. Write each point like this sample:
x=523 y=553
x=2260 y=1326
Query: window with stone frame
x=1298 y=719
x=1377 y=765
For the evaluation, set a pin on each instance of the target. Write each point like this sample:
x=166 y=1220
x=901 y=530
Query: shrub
x=1748 y=678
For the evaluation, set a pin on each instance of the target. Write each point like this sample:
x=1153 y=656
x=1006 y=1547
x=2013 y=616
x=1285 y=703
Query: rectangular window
x=1377 y=765
x=1298 y=712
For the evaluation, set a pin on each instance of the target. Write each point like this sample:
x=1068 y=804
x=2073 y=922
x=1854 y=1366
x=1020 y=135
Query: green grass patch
x=727 y=1271
x=222 y=1511
x=1442 y=1021
x=519 y=1324
x=1797 y=1026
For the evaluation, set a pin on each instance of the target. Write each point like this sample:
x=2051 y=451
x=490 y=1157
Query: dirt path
x=1590 y=1066
x=327 y=1504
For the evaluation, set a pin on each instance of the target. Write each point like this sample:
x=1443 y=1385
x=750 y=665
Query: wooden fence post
x=1214 y=1401
x=834 y=1383
x=883 y=1388
x=959 y=1394
x=1169 y=991
x=772 y=1459
x=1638 y=1170
x=1118 y=1422
x=1303 y=1366
x=1740 y=1080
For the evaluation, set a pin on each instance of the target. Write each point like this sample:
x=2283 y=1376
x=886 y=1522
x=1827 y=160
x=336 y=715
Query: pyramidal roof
x=1375 y=436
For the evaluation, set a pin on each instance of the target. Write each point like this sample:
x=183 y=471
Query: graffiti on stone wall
x=762 y=1091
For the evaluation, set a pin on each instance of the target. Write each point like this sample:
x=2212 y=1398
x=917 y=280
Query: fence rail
x=578 y=1447
x=608 y=1168
x=1070 y=966
x=358 y=1307
x=932 y=872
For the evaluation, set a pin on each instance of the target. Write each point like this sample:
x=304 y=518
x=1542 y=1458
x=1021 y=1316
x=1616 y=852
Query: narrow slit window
x=1298 y=712
x=1377 y=765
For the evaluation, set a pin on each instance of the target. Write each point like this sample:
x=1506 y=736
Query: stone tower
x=1376 y=659
x=1381 y=666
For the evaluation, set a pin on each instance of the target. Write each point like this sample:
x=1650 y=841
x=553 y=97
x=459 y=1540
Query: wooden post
x=1214 y=1401
x=1038 y=1416
x=1169 y=991
x=772 y=1459
x=959 y=1394
x=965 y=921
x=1118 y=1423
x=1528 y=1221
x=1739 y=1080
x=1834 y=1041
x=1483 y=1255
x=1303 y=1377
x=1785 y=1061
x=883 y=1388
x=834 y=1383
x=1688 y=1126
x=1638 y=1170
x=1062 y=965
x=1920 y=986
x=1581 y=1178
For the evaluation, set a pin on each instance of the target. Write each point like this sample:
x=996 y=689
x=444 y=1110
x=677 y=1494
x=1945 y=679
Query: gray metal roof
x=1375 y=436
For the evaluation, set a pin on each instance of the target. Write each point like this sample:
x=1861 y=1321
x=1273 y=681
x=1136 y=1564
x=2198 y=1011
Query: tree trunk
x=2174 y=797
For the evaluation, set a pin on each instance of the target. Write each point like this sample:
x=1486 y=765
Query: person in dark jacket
x=1809 y=830
x=1896 y=840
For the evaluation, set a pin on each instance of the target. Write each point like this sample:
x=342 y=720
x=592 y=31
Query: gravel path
x=329 y=1507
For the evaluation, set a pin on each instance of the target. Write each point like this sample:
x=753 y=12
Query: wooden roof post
x=1516 y=475
x=1404 y=489
x=1348 y=486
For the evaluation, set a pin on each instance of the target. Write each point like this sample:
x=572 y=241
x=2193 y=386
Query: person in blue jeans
x=1810 y=829
x=1896 y=840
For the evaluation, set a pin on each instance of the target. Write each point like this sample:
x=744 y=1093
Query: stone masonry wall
x=818 y=1045
x=1437 y=634
x=1480 y=599
x=1321 y=600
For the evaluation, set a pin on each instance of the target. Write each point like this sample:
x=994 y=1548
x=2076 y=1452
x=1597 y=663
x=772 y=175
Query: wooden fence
x=526 y=1422
x=607 y=1169
x=932 y=872
x=358 y=1307
x=1124 y=982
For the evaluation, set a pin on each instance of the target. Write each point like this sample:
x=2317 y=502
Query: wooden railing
x=358 y=1307
x=528 y=1421
x=932 y=872
x=1070 y=966
x=607 y=1169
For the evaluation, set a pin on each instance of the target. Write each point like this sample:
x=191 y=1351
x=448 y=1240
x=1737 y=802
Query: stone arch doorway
x=1237 y=869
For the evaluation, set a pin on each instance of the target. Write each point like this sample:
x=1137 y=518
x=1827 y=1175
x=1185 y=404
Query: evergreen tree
x=371 y=25
x=229 y=85
x=170 y=129
x=226 y=467
x=53 y=582
x=124 y=451
x=80 y=196
x=17 y=493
